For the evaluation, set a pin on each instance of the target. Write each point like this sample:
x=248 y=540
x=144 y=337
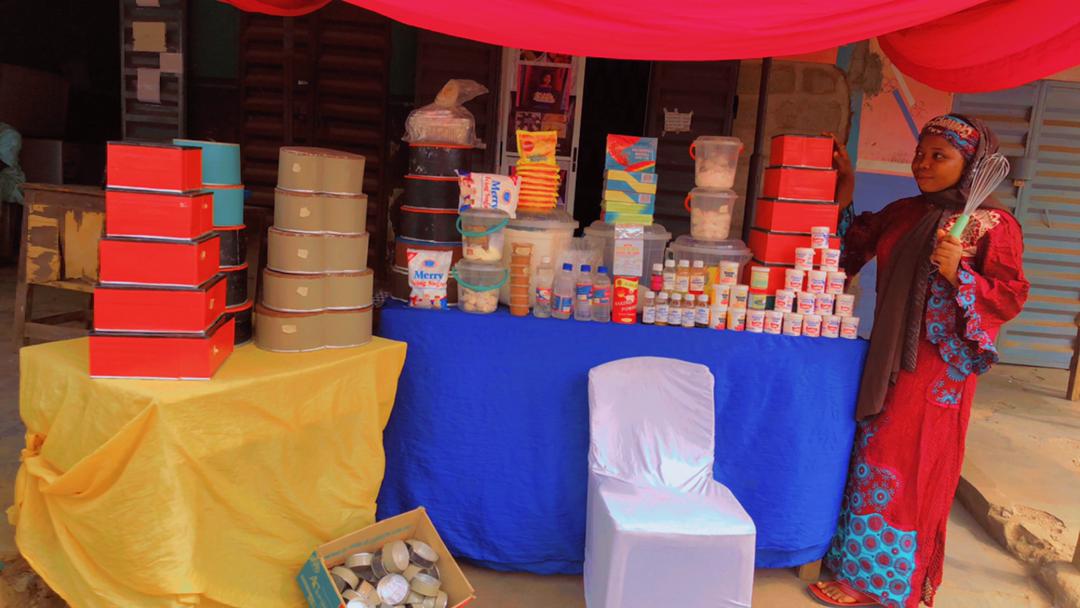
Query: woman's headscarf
x=901 y=303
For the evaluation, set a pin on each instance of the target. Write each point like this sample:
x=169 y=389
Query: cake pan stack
x=160 y=306
x=221 y=176
x=430 y=211
x=317 y=289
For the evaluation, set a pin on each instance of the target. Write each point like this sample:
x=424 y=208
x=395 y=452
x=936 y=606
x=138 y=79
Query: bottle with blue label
x=562 y=301
x=601 y=299
x=583 y=294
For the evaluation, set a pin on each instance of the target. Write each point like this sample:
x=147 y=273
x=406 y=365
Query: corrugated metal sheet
x=1042 y=121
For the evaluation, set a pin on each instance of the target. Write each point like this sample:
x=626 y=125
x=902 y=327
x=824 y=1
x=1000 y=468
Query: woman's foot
x=844 y=595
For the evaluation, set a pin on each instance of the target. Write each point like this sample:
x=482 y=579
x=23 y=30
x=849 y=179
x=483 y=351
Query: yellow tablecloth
x=151 y=493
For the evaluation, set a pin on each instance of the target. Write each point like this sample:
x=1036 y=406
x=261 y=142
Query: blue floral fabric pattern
x=969 y=352
x=869 y=553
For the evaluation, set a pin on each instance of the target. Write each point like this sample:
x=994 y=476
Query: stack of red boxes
x=159 y=309
x=799 y=193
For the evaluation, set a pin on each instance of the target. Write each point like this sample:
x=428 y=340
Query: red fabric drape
x=954 y=45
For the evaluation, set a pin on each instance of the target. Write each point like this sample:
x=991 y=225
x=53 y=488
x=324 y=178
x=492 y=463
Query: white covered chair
x=660 y=530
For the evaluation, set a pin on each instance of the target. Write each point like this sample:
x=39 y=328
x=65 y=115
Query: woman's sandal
x=861 y=599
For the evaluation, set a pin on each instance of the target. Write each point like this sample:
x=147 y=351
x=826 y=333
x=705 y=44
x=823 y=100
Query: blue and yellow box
x=619 y=207
x=639 y=219
x=618 y=196
x=630 y=181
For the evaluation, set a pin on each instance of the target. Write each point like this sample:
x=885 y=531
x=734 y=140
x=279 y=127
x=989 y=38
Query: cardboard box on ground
x=319 y=588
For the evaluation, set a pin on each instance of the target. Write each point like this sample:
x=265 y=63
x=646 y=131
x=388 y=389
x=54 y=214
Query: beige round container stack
x=317 y=289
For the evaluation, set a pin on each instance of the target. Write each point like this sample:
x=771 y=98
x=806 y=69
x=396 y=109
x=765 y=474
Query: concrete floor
x=979 y=574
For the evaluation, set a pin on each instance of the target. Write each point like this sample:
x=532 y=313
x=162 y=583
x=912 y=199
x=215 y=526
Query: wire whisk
x=986 y=176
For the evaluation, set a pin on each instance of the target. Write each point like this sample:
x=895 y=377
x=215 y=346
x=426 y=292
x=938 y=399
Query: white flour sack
x=429 y=273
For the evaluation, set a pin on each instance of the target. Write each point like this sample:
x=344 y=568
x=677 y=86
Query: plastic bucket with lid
x=715 y=161
x=655 y=239
x=712 y=253
x=549 y=233
x=710 y=213
x=479 y=284
x=482 y=234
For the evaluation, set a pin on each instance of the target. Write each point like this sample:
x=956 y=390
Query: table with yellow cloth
x=157 y=493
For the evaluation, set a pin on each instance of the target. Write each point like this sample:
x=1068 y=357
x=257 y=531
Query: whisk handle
x=961 y=223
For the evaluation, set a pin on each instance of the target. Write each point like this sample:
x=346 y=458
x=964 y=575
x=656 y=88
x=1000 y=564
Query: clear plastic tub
x=482 y=234
x=710 y=213
x=549 y=232
x=479 y=284
x=715 y=161
x=712 y=253
x=656 y=239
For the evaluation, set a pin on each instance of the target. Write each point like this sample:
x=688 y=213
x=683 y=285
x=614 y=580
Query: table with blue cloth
x=491 y=430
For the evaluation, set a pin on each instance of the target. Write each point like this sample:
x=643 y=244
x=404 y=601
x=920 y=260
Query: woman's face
x=937 y=165
x=546 y=80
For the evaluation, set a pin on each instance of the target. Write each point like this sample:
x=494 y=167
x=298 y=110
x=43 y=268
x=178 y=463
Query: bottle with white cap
x=697 y=277
x=601 y=297
x=662 y=308
x=583 y=294
x=669 y=275
x=682 y=277
x=545 y=277
x=648 y=310
x=674 y=316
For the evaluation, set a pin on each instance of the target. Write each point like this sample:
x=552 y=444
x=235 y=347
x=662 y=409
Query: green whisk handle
x=961 y=223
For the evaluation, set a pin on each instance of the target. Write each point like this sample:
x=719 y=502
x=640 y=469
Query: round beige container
x=309 y=253
x=287 y=331
x=315 y=212
x=346 y=328
x=346 y=252
x=286 y=292
x=320 y=170
x=307 y=331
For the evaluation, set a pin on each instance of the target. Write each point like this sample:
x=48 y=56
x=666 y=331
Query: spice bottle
x=682 y=277
x=689 y=311
x=674 y=314
x=669 y=276
x=702 y=316
x=662 y=310
x=656 y=281
x=697 y=277
x=648 y=311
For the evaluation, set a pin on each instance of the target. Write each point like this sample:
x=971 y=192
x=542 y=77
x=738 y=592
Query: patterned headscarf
x=958 y=131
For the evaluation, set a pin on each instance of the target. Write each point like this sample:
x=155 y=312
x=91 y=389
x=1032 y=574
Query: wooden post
x=811 y=572
x=1073 y=394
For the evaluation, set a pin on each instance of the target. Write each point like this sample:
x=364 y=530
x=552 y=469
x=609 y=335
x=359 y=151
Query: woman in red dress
x=940 y=304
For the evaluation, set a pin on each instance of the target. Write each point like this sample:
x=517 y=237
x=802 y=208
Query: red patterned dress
x=890 y=541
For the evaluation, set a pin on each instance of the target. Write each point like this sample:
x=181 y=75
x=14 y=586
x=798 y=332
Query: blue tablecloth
x=490 y=431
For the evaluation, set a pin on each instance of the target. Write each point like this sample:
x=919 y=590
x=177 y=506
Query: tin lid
x=240 y=307
x=143 y=239
x=433 y=178
x=197 y=335
x=229 y=228
x=206 y=285
x=789 y=201
x=602 y=229
x=800 y=168
x=243 y=266
x=319 y=152
x=555 y=219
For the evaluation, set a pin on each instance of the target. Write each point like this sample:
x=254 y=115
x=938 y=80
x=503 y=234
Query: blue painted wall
x=872 y=192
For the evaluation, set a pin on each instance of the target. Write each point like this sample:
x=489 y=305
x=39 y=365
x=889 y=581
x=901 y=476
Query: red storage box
x=802 y=151
x=776 y=275
x=142 y=308
x=783 y=215
x=777 y=247
x=153 y=166
x=156 y=262
x=158 y=214
x=800 y=183
x=194 y=356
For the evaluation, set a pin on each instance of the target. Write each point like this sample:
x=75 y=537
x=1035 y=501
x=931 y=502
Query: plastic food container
x=482 y=234
x=549 y=233
x=479 y=284
x=710 y=213
x=716 y=159
x=656 y=239
x=712 y=253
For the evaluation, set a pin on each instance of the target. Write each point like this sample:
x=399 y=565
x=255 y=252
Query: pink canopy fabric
x=952 y=45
